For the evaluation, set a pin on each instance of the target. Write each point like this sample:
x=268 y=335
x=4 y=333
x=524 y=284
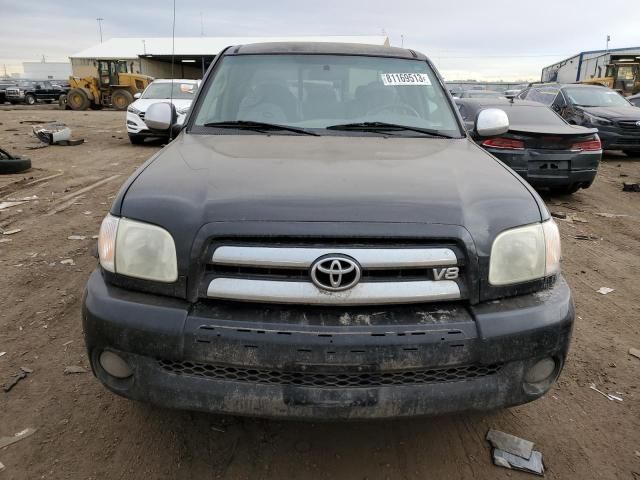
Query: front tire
x=136 y=139
x=29 y=99
x=120 y=99
x=78 y=99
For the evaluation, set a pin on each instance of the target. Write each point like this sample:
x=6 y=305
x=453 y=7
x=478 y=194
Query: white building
x=46 y=70
x=193 y=55
x=586 y=65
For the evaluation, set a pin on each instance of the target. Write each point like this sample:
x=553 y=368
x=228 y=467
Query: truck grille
x=328 y=379
x=285 y=274
x=629 y=125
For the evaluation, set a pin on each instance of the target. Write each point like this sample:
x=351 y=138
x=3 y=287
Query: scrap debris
x=630 y=187
x=605 y=290
x=67 y=261
x=6 y=441
x=611 y=215
x=74 y=369
x=514 y=453
x=606 y=395
x=55 y=133
x=16 y=377
x=632 y=351
x=585 y=237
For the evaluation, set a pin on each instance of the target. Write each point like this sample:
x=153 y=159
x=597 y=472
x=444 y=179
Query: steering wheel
x=395 y=107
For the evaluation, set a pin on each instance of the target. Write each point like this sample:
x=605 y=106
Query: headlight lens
x=596 y=120
x=525 y=253
x=133 y=110
x=137 y=249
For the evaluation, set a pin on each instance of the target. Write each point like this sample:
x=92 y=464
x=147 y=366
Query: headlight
x=525 y=253
x=593 y=120
x=137 y=249
x=134 y=110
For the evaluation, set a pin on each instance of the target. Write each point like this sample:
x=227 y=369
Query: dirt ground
x=86 y=432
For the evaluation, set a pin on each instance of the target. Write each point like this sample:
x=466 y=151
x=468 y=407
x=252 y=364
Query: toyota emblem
x=335 y=273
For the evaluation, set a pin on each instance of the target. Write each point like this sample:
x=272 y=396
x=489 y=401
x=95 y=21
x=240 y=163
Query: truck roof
x=324 y=48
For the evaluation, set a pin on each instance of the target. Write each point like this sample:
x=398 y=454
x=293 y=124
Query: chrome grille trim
x=365 y=293
x=301 y=257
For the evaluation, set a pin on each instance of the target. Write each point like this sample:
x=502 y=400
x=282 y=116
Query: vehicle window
x=525 y=115
x=544 y=95
x=635 y=101
x=595 y=97
x=482 y=94
x=626 y=72
x=316 y=91
x=162 y=90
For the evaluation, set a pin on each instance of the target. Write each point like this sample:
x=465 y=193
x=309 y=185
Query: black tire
x=30 y=99
x=120 y=99
x=78 y=99
x=566 y=189
x=9 y=164
x=62 y=102
x=136 y=139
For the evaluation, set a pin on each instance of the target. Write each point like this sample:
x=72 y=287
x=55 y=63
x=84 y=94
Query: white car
x=184 y=92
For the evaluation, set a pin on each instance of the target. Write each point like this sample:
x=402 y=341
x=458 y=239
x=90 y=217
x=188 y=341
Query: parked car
x=324 y=240
x=4 y=84
x=540 y=145
x=476 y=93
x=617 y=121
x=184 y=92
x=32 y=91
x=634 y=100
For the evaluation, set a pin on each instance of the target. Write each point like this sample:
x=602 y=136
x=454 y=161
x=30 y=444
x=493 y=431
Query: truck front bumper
x=261 y=361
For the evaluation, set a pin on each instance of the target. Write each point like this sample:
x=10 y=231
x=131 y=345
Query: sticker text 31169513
x=405 y=79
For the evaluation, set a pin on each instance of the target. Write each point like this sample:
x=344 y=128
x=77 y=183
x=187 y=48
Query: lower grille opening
x=330 y=379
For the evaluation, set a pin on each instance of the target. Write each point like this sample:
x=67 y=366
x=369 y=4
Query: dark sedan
x=617 y=120
x=540 y=146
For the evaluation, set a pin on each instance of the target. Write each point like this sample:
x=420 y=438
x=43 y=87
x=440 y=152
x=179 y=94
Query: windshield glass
x=162 y=90
x=318 y=91
x=595 y=97
x=482 y=94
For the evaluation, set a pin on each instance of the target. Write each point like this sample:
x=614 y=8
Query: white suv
x=184 y=92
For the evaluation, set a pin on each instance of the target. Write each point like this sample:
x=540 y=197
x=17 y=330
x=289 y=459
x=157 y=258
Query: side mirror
x=137 y=95
x=160 y=116
x=491 y=121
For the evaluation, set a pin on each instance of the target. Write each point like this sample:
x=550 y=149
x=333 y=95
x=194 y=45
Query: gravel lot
x=86 y=432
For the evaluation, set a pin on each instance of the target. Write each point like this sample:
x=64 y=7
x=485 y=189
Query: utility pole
x=608 y=40
x=401 y=41
x=201 y=24
x=100 y=19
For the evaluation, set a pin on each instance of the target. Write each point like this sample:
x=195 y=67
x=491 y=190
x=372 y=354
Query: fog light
x=540 y=371
x=115 y=365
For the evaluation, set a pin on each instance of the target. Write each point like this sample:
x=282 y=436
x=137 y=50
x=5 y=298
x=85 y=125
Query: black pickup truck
x=322 y=239
x=32 y=91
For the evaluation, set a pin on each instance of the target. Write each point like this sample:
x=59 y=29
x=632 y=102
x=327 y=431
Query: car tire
x=566 y=189
x=29 y=99
x=136 y=139
x=120 y=99
x=78 y=99
x=9 y=164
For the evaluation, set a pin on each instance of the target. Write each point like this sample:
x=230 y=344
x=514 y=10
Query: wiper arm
x=259 y=126
x=382 y=126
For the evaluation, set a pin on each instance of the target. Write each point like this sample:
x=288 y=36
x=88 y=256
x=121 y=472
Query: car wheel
x=136 y=139
x=29 y=99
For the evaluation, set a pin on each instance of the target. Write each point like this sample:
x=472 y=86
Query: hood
x=200 y=179
x=627 y=113
x=553 y=129
x=143 y=103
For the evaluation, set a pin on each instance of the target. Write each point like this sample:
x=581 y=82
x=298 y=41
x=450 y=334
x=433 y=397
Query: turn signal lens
x=107 y=242
x=588 y=146
x=504 y=143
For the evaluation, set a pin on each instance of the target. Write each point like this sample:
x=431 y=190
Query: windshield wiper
x=384 y=126
x=258 y=126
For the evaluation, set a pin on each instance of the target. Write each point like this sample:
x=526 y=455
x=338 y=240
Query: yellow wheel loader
x=621 y=74
x=114 y=86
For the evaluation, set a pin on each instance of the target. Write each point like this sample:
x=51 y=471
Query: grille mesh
x=330 y=379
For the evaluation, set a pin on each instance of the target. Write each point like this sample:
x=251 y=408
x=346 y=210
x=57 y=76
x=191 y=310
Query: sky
x=467 y=39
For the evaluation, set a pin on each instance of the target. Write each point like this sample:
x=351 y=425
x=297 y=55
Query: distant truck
x=622 y=74
x=113 y=87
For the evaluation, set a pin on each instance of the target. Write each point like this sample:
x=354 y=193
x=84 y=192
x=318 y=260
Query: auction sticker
x=405 y=79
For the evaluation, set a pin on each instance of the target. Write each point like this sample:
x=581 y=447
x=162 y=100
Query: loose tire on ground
x=29 y=99
x=120 y=99
x=78 y=99
x=9 y=164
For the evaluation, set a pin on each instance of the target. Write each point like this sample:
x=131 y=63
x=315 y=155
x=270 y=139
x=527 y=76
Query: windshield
x=162 y=90
x=319 y=91
x=595 y=97
x=482 y=94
